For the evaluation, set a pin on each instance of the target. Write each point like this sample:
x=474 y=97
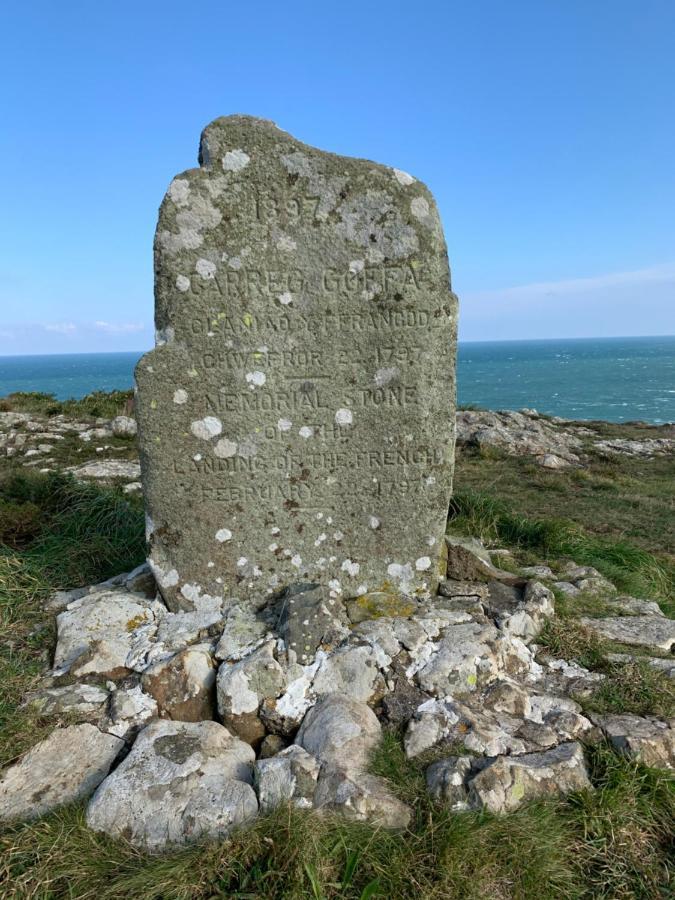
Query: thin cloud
x=119 y=327
x=662 y=274
x=60 y=327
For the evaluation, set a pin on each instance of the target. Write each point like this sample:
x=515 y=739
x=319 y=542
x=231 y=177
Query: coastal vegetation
x=615 y=842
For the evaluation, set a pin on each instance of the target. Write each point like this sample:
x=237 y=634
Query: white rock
x=340 y=732
x=646 y=739
x=509 y=781
x=361 y=797
x=181 y=781
x=96 y=633
x=288 y=777
x=655 y=632
x=65 y=767
x=124 y=426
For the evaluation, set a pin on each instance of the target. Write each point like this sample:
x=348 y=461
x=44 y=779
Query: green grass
x=621 y=499
x=83 y=534
x=611 y=843
x=632 y=569
x=103 y=404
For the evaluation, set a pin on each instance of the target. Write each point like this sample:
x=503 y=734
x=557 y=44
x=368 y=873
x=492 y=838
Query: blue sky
x=545 y=128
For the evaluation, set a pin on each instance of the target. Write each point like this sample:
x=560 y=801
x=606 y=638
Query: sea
x=615 y=379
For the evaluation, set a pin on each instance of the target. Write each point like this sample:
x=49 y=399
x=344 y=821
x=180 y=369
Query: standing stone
x=296 y=417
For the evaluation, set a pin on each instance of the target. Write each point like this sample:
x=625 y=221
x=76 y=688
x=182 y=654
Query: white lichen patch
x=180 y=396
x=356 y=266
x=296 y=560
x=206 y=428
x=235 y=160
x=286 y=244
x=384 y=376
x=338 y=535
x=372 y=220
x=255 y=379
x=192 y=221
x=182 y=283
x=335 y=585
x=403 y=177
x=223 y=535
x=286 y=298
x=419 y=207
x=306 y=431
x=344 y=417
x=321 y=538
x=284 y=424
x=351 y=568
x=205 y=268
x=179 y=191
x=423 y=563
x=225 y=448
x=374 y=522
x=164 y=336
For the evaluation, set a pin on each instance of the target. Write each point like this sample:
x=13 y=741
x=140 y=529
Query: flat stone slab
x=649 y=740
x=296 y=419
x=655 y=632
x=66 y=766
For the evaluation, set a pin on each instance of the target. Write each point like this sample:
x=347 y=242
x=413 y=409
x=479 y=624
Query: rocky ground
x=176 y=726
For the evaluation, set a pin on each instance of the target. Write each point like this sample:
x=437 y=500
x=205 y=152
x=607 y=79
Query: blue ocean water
x=616 y=379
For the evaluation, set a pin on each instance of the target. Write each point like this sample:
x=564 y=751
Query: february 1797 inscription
x=297 y=414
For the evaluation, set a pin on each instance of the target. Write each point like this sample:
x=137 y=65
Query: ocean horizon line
x=461 y=341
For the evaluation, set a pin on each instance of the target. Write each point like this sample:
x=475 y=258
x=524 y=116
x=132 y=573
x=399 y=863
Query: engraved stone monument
x=297 y=414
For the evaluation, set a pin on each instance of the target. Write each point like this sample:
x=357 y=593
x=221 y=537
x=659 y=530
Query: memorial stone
x=296 y=418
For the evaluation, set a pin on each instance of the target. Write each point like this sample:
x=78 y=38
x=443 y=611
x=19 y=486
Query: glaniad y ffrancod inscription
x=297 y=415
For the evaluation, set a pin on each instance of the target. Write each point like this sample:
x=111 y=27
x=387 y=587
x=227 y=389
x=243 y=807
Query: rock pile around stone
x=191 y=724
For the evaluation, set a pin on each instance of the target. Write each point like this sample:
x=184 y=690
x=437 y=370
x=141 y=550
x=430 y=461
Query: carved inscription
x=297 y=422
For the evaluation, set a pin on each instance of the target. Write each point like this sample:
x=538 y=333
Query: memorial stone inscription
x=297 y=414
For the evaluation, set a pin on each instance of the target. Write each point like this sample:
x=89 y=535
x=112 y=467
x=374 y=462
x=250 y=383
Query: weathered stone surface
x=446 y=781
x=108 y=470
x=646 y=739
x=124 y=426
x=184 y=686
x=468 y=560
x=655 y=632
x=181 y=781
x=340 y=732
x=361 y=797
x=86 y=702
x=243 y=686
x=300 y=402
x=309 y=619
x=66 y=766
x=97 y=633
x=288 y=777
x=130 y=710
x=509 y=781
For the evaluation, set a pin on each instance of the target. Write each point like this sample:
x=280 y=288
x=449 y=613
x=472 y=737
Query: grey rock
x=509 y=781
x=447 y=782
x=288 y=777
x=310 y=619
x=571 y=590
x=66 y=766
x=86 y=702
x=468 y=560
x=124 y=426
x=361 y=797
x=537 y=571
x=654 y=632
x=340 y=732
x=299 y=401
x=648 y=740
x=243 y=686
x=96 y=634
x=108 y=470
x=182 y=781
x=449 y=587
x=634 y=607
x=130 y=710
